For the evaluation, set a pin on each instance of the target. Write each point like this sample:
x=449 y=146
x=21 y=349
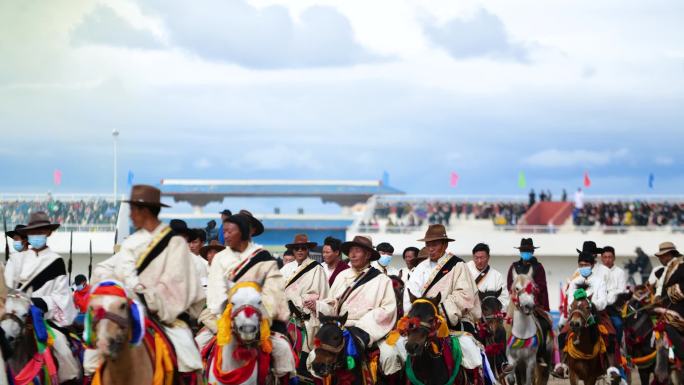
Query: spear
x=4 y=225
x=90 y=265
x=71 y=254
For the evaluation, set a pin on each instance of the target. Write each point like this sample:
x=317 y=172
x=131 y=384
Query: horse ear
x=437 y=299
x=322 y=317
x=498 y=293
x=343 y=319
x=412 y=297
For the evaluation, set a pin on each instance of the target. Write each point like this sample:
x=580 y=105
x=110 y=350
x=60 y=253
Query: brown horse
x=584 y=346
x=639 y=336
x=491 y=331
x=331 y=361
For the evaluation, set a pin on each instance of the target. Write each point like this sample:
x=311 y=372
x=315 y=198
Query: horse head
x=491 y=309
x=113 y=319
x=581 y=312
x=245 y=312
x=17 y=311
x=635 y=314
x=523 y=293
x=423 y=324
x=329 y=344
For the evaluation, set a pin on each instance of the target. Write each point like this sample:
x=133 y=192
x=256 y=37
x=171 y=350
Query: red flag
x=587 y=181
x=454 y=179
x=57 y=177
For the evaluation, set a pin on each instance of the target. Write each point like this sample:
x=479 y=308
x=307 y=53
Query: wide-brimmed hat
x=590 y=247
x=301 y=240
x=526 y=244
x=180 y=227
x=38 y=220
x=586 y=257
x=145 y=195
x=666 y=247
x=436 y=233
x=255 y=224
x=363 y=242
x=204 y=250
x=15 y=232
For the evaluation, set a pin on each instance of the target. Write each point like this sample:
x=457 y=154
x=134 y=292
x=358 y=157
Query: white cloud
x=105 y=27
x=276 y=158
x=664 y=160
x=569 y=158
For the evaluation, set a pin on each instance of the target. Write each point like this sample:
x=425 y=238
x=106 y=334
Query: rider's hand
x=311 y=305
x=675 y=293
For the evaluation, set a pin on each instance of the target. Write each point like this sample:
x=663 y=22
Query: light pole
x=115 y=135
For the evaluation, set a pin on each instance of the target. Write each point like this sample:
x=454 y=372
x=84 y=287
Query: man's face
x=665 y=259
x=330 y=256
x=288 y=258
x=410 y=259
x=137 y=216
x=358 y=257
x=210 y=255
x=584 y=264
x=300 y=253
x=436 y=249
x=481 y=259
x=608 y=259
x=232 y=235
x=195 y=246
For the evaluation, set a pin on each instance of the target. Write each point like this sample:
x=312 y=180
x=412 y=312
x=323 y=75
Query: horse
x=114 y=327
x=30 y=339
x=337 y=359
x=585 y=346
x=491 y=330
x=638 y=331
x=241 y=353
x=434 y=356
x=526 y=335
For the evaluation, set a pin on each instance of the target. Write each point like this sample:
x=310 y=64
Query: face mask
x=526 y=255
x=80 y=287
x=585 y=271
x=18 y=245
x=385 y=260
x=37 y=241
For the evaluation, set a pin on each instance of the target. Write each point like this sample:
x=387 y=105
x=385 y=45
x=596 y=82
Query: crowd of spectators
x=432 y=212
x=636 y=213
x=80 y=212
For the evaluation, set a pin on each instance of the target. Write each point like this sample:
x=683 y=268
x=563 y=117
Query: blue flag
x=385 y=178
x=130 y=178
x=651 y=179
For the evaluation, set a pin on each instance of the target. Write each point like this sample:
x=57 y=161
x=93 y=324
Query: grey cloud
x=104 y=26
x=483 y=35
x=234 y=31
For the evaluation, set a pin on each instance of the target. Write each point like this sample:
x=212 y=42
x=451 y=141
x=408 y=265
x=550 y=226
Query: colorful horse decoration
x=585 y=346
x=241 y=351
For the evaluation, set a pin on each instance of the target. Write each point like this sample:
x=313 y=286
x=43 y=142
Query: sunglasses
x=297 y=248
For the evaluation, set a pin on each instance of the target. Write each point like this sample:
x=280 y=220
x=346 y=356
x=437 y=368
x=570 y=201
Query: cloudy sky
x=344 y=89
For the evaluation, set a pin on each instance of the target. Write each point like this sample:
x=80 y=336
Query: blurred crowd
x=82 y=212
x=630 y=214
x=432 y=212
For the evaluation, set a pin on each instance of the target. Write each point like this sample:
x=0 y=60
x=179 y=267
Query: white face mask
x=385 y=260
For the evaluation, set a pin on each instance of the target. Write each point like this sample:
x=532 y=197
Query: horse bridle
x=12 y=316
x=339 y=362
x=247 y=309
x=579 y=311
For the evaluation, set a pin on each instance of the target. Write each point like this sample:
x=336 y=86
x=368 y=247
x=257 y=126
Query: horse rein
x=100 y=313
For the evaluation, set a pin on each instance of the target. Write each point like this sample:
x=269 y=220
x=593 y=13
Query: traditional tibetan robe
x=202 y=267
x=253 y=265
x=450 y=277
x=489 y=279
x=306 y=282
x=160 y=266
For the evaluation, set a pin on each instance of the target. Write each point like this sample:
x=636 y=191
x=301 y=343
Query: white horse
x=242 y=340
x=525 y=335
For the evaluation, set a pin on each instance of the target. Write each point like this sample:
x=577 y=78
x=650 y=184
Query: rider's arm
x=380 y=320
x=461 y=299
x=504 y=297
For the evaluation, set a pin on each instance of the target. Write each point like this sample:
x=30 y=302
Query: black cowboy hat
x=255 y=224
x=180 y=227
x=590 y=247
x=301 y=240
x=363 y=242
x=15 y=232
x=205 y=249
x=586 y=257
x=526 y=244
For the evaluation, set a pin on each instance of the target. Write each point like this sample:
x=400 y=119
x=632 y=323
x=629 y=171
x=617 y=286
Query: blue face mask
x=80 y=287
x=526 y=255
x=385 y=260
x=37 y=241
x=18 y=245
x=585 y=271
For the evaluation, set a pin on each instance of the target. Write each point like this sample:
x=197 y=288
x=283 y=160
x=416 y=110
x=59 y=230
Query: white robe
x=493 y=281
x=596 y=290
x=616 y=283
x=202 y=267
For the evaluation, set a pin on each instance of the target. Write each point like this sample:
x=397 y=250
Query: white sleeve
x=11 y=271
x=415 y=285
x=217 y=285
x=599 y=297
x=504 y=296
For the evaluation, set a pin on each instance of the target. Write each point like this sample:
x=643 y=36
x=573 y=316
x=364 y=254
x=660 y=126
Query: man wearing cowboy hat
x=487 y=279
x=243 y=260
x=20 y=242
x=305 y=283
x=669 y=259
x=672 y=296
x=446 y=274
x=209 y=251
x=367 y=297
x=156 y=263
x=42 y=272
x=526 y=263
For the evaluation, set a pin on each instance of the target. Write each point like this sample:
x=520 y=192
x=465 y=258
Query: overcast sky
x=344 y=89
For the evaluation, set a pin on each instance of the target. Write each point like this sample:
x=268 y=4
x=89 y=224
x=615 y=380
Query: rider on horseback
x=526 y=263
x=244 y=261
x=446 y=274
x=487 y=278
x=672 y=296
x=594 y=286
x=366 y=296
x=156 y=263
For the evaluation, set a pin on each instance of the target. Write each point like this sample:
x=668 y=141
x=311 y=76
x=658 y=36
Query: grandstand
x=382 y=212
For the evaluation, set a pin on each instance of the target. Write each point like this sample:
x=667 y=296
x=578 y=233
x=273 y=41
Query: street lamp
x=115 y=135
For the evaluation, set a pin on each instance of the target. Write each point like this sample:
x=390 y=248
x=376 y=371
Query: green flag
x=522 y=182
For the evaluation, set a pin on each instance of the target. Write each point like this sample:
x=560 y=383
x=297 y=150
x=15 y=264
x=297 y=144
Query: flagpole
x=115 y=135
